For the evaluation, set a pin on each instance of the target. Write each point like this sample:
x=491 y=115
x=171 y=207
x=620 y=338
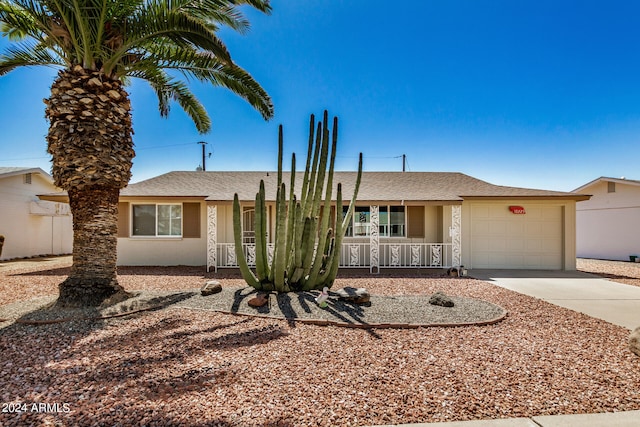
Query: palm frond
x=145 y=39
x=207 y=68
x=25 y=54
x=240 y=82
x=154 y=24
x=168 y=90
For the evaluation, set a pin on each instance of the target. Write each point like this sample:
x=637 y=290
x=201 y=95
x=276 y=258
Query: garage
x=523 y=236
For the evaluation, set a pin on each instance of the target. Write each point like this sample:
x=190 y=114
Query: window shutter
x=415 y=219
x=123 y=219
x=191 y=220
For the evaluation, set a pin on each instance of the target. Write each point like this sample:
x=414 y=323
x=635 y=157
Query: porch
x=371 y=252
x=358 y=255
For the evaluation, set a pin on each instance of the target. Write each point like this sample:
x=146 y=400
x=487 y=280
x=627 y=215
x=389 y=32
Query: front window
x=391 y=221
x=157 y=220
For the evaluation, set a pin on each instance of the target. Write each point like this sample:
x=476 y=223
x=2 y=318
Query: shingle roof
x=383 y=186
x=606 y=179
x=16 y=170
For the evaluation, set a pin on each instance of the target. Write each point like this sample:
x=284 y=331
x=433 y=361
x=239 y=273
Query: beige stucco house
x=402 y=220
x=32 y=226
x=608 y=224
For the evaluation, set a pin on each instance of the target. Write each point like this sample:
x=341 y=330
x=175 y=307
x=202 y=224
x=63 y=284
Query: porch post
x=374 y=241
x=212 y=237
x=456 y=234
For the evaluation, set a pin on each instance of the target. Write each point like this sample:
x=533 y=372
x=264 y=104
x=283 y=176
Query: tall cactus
x=306 y=249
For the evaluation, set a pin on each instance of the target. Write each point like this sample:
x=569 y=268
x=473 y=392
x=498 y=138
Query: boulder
x=634 y=341
x=210 y=288
x=355 y=295
x=259 y=300
x=441 y=299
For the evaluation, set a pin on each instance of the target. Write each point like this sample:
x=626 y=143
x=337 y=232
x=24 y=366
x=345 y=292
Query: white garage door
x=502 y=239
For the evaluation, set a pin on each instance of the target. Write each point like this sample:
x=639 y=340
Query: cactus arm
x=280 y=256
x=331 y=269
x=276 y=238
x=280 y=143
x=305 y=179
x=262 y=265
x=290 y=248
x=295 y=261
x=309 y=247
x=291 y=215
x=324 y=226
x=308 y=205
x=322 y=168
x=247 y=274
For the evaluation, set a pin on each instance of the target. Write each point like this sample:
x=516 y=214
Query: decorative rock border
x=325 y=322
x=339 y=313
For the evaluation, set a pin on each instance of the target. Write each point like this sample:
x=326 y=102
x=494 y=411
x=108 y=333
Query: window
x=611 y=187
x=157 y=220
x=27 y=178
x=391 y=221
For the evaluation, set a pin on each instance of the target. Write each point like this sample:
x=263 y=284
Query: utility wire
x=23 y=158
x=153 y=147
x=136 y=149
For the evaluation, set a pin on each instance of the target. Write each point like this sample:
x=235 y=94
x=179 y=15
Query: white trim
x=374 y=239
x=212 y=237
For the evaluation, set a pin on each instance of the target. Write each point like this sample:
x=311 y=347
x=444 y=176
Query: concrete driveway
x=614 y=302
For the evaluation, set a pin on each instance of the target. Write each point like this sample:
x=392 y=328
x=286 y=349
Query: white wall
x=608 y=225
x=26 y=234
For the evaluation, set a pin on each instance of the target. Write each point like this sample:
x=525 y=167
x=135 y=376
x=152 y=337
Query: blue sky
x=539 y=94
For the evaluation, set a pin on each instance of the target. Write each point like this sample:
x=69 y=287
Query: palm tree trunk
x=92 y=150
x=93 y=278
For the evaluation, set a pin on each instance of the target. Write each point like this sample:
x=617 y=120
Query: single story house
x=402 y=219
x=608 y=224
x=32 y=226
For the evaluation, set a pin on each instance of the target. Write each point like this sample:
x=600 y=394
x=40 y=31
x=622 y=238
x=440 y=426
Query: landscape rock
x=453 y=272
x=441 y=299
x=210 y=288
x=634 y=341
x=355 y=295
x=259 y=300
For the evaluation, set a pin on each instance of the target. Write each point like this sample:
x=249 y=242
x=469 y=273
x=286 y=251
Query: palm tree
x=98 y=46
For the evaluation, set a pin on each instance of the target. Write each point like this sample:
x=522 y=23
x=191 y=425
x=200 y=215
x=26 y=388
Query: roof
x=381 y=186
x=6 y=172
x=606 y=179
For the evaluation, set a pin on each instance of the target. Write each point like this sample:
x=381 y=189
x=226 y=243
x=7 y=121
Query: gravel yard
x=617 y=271
x=180 y=366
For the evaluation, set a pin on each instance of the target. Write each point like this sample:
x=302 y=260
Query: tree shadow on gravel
x=60 y=271
x=293 y=306
x=138 y=303
x=100 y=371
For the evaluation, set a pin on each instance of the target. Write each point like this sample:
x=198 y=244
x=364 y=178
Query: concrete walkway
x=613 y=302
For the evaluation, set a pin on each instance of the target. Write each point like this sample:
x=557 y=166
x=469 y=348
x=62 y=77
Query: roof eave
x=606 y=179
x=576 y=197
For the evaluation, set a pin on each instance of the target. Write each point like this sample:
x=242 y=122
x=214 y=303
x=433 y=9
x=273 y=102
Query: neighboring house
x=608 y=224
x=32 y=226
x=402 y=219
